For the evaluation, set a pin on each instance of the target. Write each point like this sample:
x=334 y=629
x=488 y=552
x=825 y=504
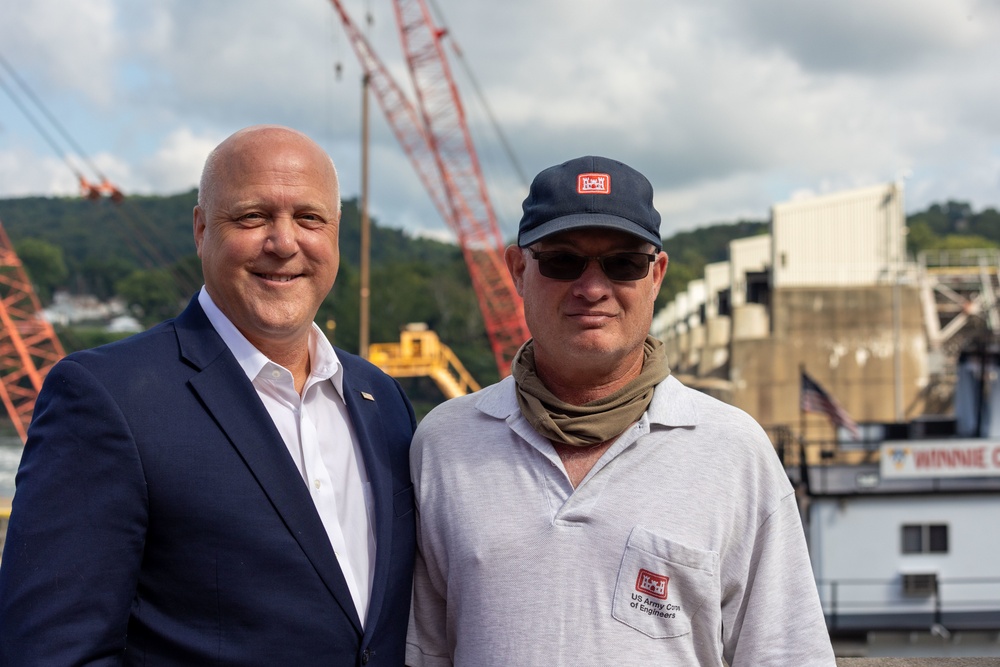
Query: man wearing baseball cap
x=590 y=509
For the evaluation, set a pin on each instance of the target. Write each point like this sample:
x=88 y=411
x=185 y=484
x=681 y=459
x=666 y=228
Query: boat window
x=912 y=539
x=938 y=539
x=925 y=538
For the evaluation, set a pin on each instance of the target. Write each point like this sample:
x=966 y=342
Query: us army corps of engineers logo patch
x=654 y=584
x=651 y=585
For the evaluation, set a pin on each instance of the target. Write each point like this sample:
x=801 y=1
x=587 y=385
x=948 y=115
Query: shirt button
x=316 y=483
x=276 y=374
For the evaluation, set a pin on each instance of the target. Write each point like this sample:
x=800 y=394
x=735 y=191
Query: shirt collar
x=672 y=403
x=323 y=358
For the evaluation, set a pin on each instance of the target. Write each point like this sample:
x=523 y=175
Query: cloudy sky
x=729 y=106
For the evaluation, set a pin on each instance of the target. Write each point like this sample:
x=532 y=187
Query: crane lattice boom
x=28 y=344
x=438 y=143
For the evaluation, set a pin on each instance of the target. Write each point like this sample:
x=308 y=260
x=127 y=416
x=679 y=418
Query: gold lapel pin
x=368 y=397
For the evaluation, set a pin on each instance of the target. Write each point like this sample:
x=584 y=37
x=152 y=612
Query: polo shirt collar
x=673 y=405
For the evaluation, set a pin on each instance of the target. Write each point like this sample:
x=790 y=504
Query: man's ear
x=659 y=271
x=199 y=227
x=513 y=256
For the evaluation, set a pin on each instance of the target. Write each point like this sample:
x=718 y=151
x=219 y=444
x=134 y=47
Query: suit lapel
x=233 y=402
x=362 y=404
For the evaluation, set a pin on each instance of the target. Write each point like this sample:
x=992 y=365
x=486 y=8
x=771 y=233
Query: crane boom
x=28 y=344
x=438 y=143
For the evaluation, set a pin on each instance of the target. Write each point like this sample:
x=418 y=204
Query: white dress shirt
x=317 y=431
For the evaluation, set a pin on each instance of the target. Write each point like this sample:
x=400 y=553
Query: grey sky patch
x=859 y=36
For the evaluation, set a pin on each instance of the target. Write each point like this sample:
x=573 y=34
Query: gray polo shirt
x=683 y=545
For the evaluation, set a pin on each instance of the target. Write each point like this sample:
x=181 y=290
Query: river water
x=10 y=456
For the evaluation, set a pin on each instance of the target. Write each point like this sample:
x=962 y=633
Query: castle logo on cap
x=593 y=184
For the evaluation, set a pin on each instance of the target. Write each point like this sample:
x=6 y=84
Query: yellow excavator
x=420 y=353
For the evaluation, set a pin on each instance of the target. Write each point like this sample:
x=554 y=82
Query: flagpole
x=802 y=412
x=803 y=463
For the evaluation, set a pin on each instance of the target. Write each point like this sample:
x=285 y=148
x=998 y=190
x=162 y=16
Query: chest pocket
x=662 y=584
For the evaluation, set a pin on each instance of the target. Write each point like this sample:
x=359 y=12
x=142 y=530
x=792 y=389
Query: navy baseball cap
x=589 y=192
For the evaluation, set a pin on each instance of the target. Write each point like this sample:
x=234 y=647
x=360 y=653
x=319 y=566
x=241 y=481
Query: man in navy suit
x=225 y=488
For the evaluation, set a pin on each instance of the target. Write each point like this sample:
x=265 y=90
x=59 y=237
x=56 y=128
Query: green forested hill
x=142 y=249
x=153 y=232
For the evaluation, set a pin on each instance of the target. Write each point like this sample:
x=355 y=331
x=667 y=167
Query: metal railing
x=854 y=604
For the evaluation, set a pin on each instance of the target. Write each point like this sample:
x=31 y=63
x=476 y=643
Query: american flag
x=813 y=398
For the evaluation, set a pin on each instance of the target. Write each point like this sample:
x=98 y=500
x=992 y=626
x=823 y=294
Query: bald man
x=227 y=487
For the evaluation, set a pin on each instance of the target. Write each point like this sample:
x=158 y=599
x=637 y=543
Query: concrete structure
x=860 y=343
x=715 y=356
x=826 y=291
x=749 y=263
x=848 y=238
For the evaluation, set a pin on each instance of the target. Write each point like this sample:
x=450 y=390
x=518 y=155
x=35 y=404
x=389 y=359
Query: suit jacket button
x=366 y=655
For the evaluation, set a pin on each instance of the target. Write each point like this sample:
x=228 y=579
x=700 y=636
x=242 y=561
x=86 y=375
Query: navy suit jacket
x=159 y=519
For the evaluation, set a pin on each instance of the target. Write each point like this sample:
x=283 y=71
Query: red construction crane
x=438 y=143
x=28 y=344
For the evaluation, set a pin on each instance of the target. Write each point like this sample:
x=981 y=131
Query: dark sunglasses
x=619 y=266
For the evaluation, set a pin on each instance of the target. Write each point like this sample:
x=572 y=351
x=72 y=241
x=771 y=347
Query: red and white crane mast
x=439 y=145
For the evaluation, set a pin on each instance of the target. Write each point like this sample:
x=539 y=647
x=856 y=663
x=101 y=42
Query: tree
x=100 y=275
x=45 y=266
x=964 y=242
x=151 y=295
x=920 y=236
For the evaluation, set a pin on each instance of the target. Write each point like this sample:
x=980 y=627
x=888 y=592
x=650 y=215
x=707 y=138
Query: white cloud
x=176 y=165
x=859 y=35
x=63 y=47
x=24 y=174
